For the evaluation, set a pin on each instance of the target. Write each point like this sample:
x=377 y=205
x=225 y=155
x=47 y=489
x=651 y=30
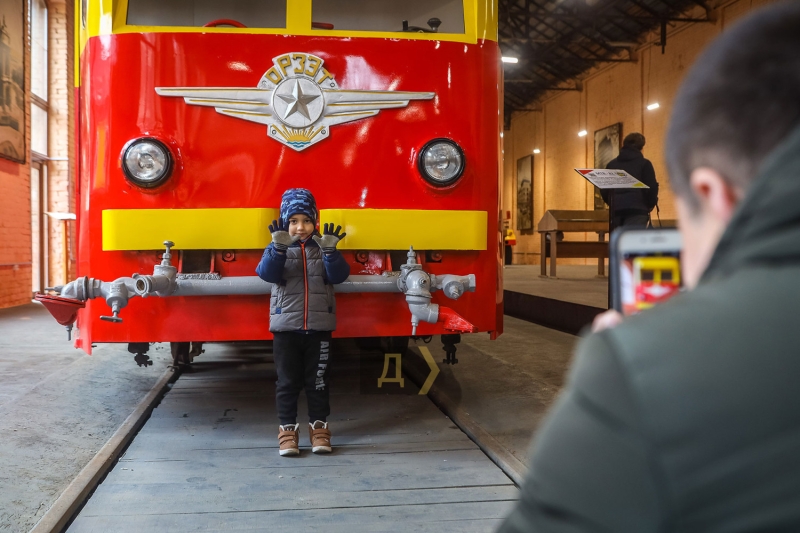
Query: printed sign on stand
x=610 y=178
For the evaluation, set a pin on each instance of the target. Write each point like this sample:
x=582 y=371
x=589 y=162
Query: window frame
x=298 y=22
x=35 y=99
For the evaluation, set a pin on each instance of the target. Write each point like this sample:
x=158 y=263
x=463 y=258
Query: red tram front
x=195 y=116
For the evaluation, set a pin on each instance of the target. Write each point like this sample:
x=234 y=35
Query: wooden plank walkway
x=207 y=460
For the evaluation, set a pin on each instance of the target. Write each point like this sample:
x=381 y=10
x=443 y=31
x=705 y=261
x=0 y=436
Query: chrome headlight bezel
x=423 y=170
x=166 y=170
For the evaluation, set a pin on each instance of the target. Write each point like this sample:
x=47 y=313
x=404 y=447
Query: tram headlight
x=441 y=162
x=146 y=162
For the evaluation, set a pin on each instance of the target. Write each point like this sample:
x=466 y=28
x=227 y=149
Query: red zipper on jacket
x=305 y=286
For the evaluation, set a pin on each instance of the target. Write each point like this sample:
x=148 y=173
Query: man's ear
x=717 y=197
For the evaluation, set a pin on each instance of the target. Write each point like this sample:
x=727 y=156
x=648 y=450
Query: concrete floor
x=575 y=283
x=59 y=406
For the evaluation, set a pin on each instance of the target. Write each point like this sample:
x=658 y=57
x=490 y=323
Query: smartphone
x=645 y=268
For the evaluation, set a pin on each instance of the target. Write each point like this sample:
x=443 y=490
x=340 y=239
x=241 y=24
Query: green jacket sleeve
x=591 y=467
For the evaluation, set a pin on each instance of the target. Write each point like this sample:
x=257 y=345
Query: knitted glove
x=329 y=238
x=281 y=239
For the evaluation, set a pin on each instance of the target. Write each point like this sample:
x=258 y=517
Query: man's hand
x=329 y=238
x=281 y=239
x=607 y=320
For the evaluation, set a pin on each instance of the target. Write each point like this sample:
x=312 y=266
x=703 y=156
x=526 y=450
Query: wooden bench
x=557 y=220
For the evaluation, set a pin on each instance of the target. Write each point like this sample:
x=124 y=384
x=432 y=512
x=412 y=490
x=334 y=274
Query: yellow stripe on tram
x=247 y=228
x=397 y=229
x=189 y=229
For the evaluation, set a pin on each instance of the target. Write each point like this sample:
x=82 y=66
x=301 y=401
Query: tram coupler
x=416 y=284
x=449 y=346
x=140 y=349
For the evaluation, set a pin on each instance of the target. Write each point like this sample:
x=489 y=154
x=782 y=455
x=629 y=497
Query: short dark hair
x=634 y=140
x=740 y=99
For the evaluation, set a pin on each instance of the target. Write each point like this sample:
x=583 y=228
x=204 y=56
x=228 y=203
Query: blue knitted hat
x=296 y=201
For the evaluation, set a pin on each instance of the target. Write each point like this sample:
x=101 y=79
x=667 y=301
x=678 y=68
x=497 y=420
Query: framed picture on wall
x=12 y=81
x=606 y=147
x=525 y=194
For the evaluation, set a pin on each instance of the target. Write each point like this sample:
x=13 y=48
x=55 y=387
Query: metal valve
x=167 y=257
x=162 y=281
x=114 y=300
x=114 y=318
x=415 y=283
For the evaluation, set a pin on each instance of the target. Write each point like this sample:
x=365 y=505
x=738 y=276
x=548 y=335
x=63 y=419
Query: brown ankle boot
x=320 y=437
x=289 y=439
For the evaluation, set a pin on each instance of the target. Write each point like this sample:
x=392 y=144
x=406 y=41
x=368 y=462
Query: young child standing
x=302 y=265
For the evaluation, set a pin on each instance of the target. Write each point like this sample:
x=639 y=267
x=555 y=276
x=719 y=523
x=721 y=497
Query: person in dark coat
x=632 y=206
x=686 y=417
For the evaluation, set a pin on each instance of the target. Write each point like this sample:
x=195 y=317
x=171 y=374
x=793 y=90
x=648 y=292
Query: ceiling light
x=536 y=151
x=653 y=106
x=582 y=133
x=507 y=59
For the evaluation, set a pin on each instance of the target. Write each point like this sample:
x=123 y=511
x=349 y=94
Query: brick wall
x=616 y=93
x=15 y=186
x=15 y=213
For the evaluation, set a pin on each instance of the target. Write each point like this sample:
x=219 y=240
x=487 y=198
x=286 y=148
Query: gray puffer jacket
x=302 y=292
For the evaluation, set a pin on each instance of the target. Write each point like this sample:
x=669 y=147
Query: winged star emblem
x=297 y=99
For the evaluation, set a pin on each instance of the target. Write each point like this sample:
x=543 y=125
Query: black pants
x=631 y=219
x=302 y=362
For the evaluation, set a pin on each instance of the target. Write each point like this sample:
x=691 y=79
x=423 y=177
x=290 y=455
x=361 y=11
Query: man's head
x=299 y=212
x=634 y=140
x=738 y=102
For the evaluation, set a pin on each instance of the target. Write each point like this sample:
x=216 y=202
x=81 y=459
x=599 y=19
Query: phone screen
x=648 y=269
x=647 y=279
